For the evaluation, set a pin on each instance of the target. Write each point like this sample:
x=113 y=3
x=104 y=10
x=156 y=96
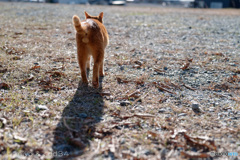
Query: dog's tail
x=77 y=23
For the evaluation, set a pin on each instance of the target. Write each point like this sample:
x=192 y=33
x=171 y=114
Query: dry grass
x=158 y=63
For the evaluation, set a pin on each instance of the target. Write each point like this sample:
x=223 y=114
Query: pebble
x=125 y=103
x=26 y=111
x=132 y=150
x=3 y=122
x=232 y=64
x=122 y=68
x=162 y=110
x=211 y=109
x=21 y=140
x=163 y=153
x=148 y=152
x=122 y=141
x=182 y=114
x=41 y=107
x=196 y=108
x=36 y=100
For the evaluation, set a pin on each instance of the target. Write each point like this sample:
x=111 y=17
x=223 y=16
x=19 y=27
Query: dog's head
x=99 y=17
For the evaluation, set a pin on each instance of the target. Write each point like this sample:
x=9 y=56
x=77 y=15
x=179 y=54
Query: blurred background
x=164 y=3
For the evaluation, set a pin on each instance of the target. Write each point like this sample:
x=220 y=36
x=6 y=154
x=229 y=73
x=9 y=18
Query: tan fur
x=92 y=39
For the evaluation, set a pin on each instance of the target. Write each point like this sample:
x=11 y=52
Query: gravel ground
x=171 y=89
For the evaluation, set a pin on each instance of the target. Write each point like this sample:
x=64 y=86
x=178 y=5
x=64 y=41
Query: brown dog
x=92 y=39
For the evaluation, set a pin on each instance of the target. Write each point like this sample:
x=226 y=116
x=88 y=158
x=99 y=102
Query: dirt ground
x=170 y=91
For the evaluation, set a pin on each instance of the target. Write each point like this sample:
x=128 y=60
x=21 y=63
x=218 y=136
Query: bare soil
x=170 y=91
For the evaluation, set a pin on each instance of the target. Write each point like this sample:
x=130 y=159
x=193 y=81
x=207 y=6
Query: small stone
x=3 y=122
x=36 y=100
x=137 y=66
x=122 y=141
x=23 y=87
x=139 y=62
x=41 y=107
x=211 y=109
x=144 y=60
x=132 y=150
x=162 y=110
x=148 y=152
x=122 y=68
x=124 y=103
x=168 y=116
x=163 y=153
x=26 y=111
x=182 y=114
x=232 y=64
x=183 y=72
x=233 y=118
x=111 y=98
x=115 y=104
x=19 y=139
x=196 y=108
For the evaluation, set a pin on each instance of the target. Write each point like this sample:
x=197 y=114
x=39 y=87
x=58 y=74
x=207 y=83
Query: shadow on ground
x=77 y=125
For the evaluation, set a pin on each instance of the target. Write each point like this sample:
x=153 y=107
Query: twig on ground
x=189 y=87
x=163 y=89
x=187 y=64
x=133 y=94
x=193 y=155
x=143 y=116
x=67 y=126
x=141 y=97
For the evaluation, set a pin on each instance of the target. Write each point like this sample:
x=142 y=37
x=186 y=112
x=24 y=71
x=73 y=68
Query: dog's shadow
x=77 y=125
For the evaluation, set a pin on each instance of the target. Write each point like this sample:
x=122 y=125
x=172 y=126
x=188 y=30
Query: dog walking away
x=92 y=39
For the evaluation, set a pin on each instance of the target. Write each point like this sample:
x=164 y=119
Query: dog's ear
x=101 y=17
x=87 y=15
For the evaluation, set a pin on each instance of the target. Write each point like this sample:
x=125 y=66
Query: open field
x=171 y=88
